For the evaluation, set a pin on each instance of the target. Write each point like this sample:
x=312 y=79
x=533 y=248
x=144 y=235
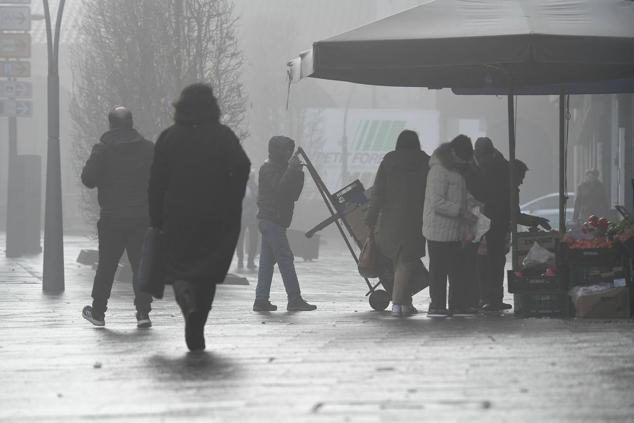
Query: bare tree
x=140 y=54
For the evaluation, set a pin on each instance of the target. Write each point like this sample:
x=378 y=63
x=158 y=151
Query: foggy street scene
x=316 y=210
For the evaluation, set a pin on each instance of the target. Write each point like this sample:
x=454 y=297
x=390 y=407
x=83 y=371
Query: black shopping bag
x=421 y=278
x=151 y=273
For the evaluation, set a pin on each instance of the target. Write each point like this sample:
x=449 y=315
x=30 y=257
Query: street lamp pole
x=53 y=271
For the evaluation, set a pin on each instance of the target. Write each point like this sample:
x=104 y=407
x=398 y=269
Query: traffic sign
x=16 y=108
x=16 y=89
x=15 y=18
x=15 y=69
x=15 y=45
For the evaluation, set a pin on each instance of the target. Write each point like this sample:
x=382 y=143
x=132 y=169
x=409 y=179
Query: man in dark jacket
x=119 y=167
x=280 y=183
x=490 y=185
x=396 y=215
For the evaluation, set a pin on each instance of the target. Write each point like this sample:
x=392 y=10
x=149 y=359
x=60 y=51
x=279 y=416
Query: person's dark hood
x=444 y=157
x=279 y=148
x=406 y=159
x=196 y=114
x=121 y=136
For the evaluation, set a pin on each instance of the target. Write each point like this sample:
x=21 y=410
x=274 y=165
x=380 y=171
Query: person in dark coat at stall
x=119 y=167
x=395 y=215
x=249 y=233
x=197 y=183
x=280 y=184
x=492 y=189
x=591 y=198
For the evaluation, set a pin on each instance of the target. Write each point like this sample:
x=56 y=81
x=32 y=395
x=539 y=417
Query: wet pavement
x=341 y=363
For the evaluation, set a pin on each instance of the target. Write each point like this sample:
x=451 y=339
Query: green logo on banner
x=377 y=135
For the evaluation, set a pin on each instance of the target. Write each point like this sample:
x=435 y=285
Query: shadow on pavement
x=130 y=335
x=193 y=366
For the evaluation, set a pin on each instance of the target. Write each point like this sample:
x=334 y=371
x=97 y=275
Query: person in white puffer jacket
x=444 y=216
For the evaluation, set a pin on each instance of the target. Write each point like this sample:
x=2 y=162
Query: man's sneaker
x=261 y=305
x=143 y=320
x=89 y=314
x=410 y=310
x=300 y=305
x=464 y=312
x=437 y=312
x=400 y=310
x=505 y=306
x=252 y=266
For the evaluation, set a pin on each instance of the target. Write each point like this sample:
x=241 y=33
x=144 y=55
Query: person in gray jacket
x=445 y=216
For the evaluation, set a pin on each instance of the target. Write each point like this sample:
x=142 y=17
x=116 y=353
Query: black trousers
x=251 y=232
x=203 y=291
x=492 y=267
x=117 y=235
x=470 y=275
x=444 y=264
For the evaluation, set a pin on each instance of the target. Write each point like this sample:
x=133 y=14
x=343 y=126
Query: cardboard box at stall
x=612 y=303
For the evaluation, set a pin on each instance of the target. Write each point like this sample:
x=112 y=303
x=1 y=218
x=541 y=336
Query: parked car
x=548 y=206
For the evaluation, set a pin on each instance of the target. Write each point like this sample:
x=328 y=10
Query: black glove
x=542 y=221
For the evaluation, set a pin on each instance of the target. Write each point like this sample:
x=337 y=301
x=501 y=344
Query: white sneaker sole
x=99 y=323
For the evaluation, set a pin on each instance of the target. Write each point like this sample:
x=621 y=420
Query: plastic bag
x=482 y=226
x=368 y=259
x=538 y=255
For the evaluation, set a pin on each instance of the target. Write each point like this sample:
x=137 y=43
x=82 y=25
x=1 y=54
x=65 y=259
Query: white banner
x=370 y=134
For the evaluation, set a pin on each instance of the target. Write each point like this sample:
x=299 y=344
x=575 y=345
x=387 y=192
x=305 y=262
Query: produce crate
x=525 y=240
x=593 y=266
x=542 y=304
x=604 y=257
x=517 y=284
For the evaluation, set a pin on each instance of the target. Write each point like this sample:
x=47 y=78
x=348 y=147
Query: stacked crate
x=596 y=266
x=538 y=295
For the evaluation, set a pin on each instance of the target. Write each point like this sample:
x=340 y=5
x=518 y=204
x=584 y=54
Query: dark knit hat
x=462 y=147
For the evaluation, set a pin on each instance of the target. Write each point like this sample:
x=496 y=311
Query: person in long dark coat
x=197 y=183
x=396 y=214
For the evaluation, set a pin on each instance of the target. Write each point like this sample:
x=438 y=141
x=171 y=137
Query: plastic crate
x=604 y=257
x=542 y=304
x=525 y=241
x=518 y=284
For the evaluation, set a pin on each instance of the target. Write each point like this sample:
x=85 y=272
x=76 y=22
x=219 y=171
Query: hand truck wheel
x=379 y=300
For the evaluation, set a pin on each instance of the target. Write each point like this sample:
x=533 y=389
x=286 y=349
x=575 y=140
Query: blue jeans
x=275 y=249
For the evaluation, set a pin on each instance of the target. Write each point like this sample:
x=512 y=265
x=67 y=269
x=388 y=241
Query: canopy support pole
x=562 y=164
x=512 y=185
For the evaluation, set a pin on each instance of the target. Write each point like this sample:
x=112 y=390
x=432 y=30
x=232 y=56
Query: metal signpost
x=15 y=44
